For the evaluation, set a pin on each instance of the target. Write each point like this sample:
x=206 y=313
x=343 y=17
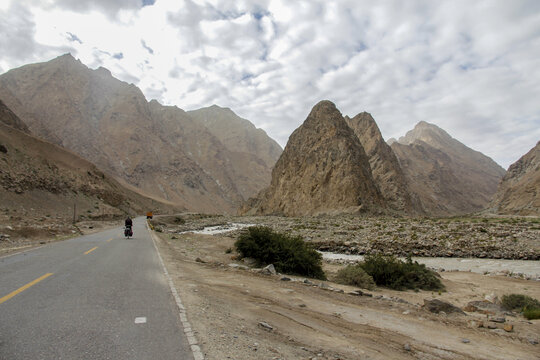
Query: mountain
x=323 y=169
x=384 y=164
x=9 y=118
x=519 y=190
x=253 y=152
x=445 y=177
x=44 y=178
x=159 y=149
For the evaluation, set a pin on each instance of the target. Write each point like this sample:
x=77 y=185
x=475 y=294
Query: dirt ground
x=229 y=308
x=29 y=233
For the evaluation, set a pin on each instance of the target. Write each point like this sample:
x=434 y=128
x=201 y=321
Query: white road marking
x=192 y=340
x=140 y=320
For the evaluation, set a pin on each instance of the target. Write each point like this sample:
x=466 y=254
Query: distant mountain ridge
x=160 y=149
x=253 y=152
x=445 y=177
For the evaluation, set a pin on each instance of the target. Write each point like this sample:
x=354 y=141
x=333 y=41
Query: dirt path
x=227 y=305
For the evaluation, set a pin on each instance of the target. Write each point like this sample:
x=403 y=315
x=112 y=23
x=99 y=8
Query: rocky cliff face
x=519 y=190
x=323 y=169
x=48 y=180
x=9 y=118
x=159 y=149
x=385 y=166
x=445 y=177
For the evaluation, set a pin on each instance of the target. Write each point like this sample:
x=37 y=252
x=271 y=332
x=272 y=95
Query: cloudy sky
x=470 y=67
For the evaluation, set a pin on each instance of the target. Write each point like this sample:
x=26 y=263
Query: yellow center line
x=19 y=290
x=89 y=251
x=109 y=240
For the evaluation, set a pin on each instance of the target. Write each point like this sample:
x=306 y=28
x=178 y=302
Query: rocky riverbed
x=476 y=237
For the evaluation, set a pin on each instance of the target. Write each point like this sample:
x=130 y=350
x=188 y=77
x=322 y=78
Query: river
x=529 y=268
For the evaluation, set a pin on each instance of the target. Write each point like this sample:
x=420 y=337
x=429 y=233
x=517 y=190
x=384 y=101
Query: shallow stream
x=529 y=268
x=218 y=229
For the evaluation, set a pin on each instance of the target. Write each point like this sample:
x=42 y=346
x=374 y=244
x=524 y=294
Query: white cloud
x=472 y=68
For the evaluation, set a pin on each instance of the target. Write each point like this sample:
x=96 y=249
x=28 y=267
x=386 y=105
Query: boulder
x=269 y=270
x=436 y=306
x=483 y=307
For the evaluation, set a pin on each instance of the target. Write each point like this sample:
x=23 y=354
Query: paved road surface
x=89 y=298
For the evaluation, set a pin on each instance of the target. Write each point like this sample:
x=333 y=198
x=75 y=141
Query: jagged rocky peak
x=518 y=193
x=103 y=71
x=426 y=132
x=323 y=169
x=65 y=60
x=391 y=141
x=385 y=167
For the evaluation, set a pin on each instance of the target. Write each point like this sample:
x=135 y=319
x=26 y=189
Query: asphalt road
x=98 y=296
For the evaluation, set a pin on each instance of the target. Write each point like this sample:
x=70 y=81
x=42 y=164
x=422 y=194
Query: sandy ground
x=227 y=305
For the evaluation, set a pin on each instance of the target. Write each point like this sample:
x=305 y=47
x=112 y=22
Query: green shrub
x=289 y=254
x=519 y=302
x=531 y=314
x=396 y=274
x=354 y=275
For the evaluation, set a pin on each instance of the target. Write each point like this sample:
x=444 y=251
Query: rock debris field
x=475 y=237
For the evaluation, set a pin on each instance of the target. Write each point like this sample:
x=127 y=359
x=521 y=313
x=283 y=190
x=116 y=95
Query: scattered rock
x=498 y=320
x=284 y=278
x=483 y=307
x=249 y=261
x=508 y=327
x=269 y=270
x=407 y=347
x=475 y=324
x=308 y=282
x=238 y=266
x=465 y=341
x=199 y=260
x=532 y=341
x=265 y=326
x=436 y=306
x=492 y=298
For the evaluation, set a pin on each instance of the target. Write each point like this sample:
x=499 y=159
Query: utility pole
x=74 y=212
